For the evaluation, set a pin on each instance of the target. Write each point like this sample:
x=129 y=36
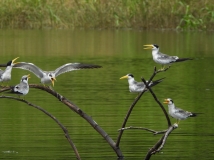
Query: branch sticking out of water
x=52 y=117
x=160 y=144
x=156 y=99
x=135 y=102
x=80 y=112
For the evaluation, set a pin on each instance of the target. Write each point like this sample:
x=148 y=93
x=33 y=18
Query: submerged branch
x=160 y=144
x=51 y=116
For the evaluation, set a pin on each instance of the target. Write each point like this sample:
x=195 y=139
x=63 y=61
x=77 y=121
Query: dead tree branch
x=80 y=112
x=160 y=144
x=51 y=116
x=156 y=99
x=135 y=102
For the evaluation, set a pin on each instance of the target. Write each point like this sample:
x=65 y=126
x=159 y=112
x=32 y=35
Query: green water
x=27 y=133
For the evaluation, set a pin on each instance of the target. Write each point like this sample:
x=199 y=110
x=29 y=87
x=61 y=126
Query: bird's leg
x=163 y=67
x=178 y=121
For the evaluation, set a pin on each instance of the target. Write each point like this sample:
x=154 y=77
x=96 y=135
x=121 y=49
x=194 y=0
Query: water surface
x=27 y=133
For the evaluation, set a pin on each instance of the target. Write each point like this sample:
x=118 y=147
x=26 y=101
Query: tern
x=177 y=113
x=22 y=88
x=6 y=74
x=137 y=87
x=50 y=76
x=161 y=58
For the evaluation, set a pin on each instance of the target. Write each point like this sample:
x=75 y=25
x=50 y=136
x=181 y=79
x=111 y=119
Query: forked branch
x=156 y=99
x=134 y=103
x=80 y=112
x=160 y=144
x=146 y=129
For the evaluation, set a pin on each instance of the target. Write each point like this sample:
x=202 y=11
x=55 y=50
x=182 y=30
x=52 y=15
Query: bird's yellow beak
x=52 y=81
x=124 y=77
x=28 y=76
x=148 y=46
x=14 y=60
x=166 y=101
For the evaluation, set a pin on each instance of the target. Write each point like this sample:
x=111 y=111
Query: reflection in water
x=28 y=134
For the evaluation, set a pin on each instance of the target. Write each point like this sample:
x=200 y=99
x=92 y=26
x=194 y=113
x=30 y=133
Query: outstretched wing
x=30 y=67
x=73 y=66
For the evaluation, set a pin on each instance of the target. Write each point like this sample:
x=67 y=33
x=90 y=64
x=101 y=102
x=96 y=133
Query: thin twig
x=160 y=144
x=51 y=116
x=142 y=128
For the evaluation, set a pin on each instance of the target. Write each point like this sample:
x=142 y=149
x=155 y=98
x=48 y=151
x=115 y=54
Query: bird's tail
x=156 y=82
x=194 y=114
x=183 y=59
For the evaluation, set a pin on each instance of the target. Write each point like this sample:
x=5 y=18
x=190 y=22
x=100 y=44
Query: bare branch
x=155 y=97
x=160 y=144
x=142 y=128
x=51 y=116
x=80 y=112
x=127 y=116
x=134 y=103
x=171 y=128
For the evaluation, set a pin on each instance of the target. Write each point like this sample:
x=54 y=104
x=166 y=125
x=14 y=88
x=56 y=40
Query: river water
x=27 y=133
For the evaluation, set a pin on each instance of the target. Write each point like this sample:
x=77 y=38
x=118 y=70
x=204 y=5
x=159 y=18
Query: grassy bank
x=146 y=14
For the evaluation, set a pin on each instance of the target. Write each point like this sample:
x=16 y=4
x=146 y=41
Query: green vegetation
x=145 y=14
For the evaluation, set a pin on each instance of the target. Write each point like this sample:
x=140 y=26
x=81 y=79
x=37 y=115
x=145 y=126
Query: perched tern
x=177 y=113
x=161 y=58
x=50 y=76
x=137 y=87
x=22 y=88
x=6 y=74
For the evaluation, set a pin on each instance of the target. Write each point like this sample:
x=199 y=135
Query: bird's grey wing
x=182 y=112
x=140 y=84
x=73 y=66
x=30 y=67
x=165 y=56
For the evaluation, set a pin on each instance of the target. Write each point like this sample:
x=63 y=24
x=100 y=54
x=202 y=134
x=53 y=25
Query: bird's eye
x=156 y=45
